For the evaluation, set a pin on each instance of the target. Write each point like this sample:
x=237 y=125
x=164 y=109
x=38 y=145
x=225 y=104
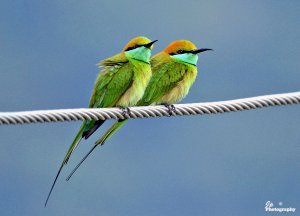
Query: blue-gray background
x=229 y=164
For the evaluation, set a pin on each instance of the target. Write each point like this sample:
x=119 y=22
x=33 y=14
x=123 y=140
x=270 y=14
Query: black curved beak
x=150 y=44
x=200 y=50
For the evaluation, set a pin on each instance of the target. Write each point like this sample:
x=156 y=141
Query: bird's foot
x=125 y=111
x=171 y=108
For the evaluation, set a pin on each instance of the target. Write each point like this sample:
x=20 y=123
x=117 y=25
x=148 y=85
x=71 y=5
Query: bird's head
x=139 y=49
x=184 y=51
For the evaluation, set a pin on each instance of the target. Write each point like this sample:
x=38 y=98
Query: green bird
x=174 y=71
x=121 y=83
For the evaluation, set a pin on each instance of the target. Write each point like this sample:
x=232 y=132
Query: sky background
x=229 y=164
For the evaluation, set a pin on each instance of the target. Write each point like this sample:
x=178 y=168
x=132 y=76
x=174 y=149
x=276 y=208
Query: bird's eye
x=180 y=51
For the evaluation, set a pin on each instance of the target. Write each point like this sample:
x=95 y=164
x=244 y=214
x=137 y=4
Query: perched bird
x=121 y=83
x=174 y=71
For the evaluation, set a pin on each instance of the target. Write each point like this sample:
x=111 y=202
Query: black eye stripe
x=133 y=47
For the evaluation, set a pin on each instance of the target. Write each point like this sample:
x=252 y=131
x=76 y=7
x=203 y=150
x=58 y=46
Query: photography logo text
x=280 y=208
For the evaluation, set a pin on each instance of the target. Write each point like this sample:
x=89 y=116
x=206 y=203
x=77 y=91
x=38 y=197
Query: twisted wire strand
x=60 y=115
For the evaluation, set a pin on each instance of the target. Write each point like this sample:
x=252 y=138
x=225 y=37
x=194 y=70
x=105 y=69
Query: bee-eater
x=174 y=71
x=121 y=83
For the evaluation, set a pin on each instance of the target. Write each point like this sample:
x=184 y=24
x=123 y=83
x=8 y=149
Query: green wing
x=110 y=85
x=165 y=77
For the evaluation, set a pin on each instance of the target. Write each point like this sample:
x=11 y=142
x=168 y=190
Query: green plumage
x=121 y=83
x=111 y=84
x=166 y=76
x=170 y=82
x=172 y=76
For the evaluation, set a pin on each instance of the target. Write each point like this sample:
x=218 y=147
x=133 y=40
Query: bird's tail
x=111 y=131
x=74 y=144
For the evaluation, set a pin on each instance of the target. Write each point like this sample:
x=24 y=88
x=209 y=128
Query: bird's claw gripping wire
x=171 y=109
x=125 y=111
